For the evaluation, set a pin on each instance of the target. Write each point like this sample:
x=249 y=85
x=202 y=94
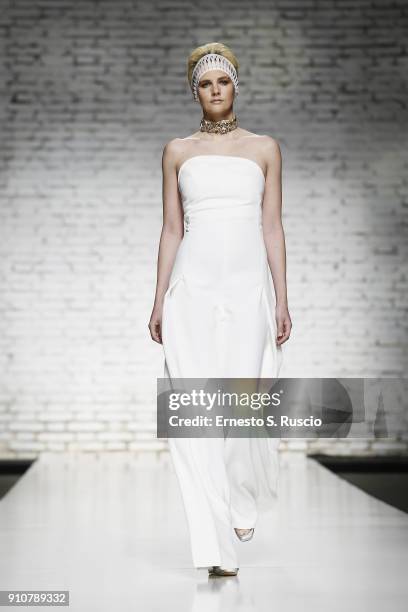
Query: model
x=221 y=248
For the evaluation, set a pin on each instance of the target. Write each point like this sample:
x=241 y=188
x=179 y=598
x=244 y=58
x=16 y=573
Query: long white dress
x=218 y=321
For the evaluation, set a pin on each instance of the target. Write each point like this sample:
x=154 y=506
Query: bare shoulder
x=172 y=149
x=271 y=153
x=171 y=152
x=270 y=145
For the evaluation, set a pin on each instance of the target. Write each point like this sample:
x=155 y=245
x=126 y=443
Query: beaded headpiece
x=213 y=61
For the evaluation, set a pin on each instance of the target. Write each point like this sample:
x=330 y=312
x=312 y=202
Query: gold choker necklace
x=219 y=127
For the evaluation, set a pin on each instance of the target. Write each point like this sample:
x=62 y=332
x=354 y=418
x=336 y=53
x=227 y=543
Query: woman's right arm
x=171 y=234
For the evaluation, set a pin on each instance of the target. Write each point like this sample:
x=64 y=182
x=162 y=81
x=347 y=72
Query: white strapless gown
x=219 y=321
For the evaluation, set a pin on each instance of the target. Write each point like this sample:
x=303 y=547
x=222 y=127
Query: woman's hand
x=155 y=323
x=283 y=323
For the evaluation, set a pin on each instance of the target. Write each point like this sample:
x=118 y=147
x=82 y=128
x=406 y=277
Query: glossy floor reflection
x=110 y=528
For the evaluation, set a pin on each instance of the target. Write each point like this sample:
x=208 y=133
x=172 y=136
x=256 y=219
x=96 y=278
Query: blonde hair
x=212 y=47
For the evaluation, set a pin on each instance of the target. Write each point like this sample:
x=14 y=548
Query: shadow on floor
x=385 y=478
x=10 y=471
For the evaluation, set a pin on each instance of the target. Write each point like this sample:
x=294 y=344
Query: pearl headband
x=213 y=61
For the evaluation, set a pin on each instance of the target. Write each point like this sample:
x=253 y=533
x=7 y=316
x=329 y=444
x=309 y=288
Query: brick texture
x=91 y=92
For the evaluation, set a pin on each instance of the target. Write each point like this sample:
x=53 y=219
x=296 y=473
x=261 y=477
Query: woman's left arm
x=274 y=236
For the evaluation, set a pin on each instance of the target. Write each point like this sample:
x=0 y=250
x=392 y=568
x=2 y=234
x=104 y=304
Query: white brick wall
x=91 y=93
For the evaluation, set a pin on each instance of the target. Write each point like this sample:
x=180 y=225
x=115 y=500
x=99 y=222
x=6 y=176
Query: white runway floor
x=110 y=528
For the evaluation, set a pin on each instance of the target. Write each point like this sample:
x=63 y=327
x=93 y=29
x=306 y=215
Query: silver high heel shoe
x=217 y=570
x=245 y=537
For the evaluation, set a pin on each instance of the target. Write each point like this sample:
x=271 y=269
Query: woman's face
x=215 y=91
